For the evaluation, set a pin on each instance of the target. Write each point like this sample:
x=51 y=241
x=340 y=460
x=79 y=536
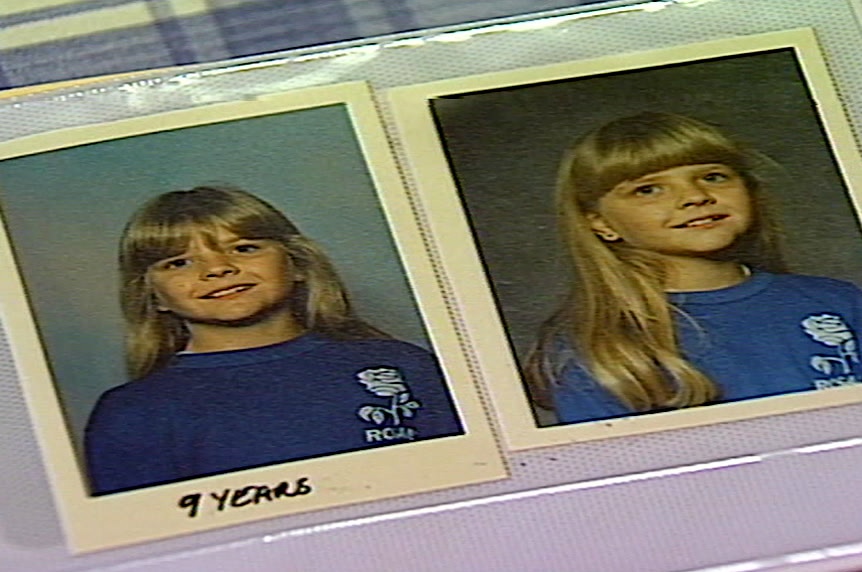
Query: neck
x=224 y=337
x=700 y=274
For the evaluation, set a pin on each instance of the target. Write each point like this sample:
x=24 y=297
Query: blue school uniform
x=215 y=412
x=772 y=334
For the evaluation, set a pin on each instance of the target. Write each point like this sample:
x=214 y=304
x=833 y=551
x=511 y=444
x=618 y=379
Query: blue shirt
x=769 y=335
x=211 y=413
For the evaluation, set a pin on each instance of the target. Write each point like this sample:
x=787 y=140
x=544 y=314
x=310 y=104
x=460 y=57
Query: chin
x=250 y=318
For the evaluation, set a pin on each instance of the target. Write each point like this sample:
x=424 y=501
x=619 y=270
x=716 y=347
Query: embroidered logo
x=830 y=330
x=387 y=382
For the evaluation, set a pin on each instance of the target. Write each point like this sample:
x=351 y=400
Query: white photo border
x=95 y=523
x=435 y=184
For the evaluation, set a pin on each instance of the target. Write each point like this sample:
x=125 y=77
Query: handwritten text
x=245 y=496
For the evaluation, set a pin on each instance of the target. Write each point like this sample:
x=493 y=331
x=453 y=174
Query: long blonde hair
x=616 y=317
x=162 y=228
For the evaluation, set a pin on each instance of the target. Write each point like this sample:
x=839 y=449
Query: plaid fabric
x=52 y=40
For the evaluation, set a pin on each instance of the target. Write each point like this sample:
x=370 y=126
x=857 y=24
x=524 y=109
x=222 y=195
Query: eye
x=716 y=177
x=246 y=247
x=646 y=190
x=174 y=263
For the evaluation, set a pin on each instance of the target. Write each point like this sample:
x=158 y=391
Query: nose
x=693 y=195
x=217 y=265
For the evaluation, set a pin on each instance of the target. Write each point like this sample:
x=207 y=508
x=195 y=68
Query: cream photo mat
x=435 y=181
x=93 y=523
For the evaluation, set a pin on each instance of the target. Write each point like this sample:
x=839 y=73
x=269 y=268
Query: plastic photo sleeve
x=485 y=151
x=355 y=408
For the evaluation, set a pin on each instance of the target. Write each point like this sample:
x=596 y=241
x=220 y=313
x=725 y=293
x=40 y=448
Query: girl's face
x=228 y=280
x=688 y=211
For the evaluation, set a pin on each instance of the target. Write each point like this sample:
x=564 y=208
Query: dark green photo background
x=505 y=146
x=65 y=211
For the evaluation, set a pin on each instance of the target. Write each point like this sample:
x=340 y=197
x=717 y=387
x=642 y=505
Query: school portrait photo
x=659 y=237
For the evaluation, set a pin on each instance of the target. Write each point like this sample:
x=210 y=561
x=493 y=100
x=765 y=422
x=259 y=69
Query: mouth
x=702 y=221
x=229 y=291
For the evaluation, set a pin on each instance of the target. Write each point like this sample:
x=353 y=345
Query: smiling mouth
x=221 y=293
x=702 y=221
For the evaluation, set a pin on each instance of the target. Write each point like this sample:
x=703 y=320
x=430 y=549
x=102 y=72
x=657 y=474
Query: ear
x=602 y=229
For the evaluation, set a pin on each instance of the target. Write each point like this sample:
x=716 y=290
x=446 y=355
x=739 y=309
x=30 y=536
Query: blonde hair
x=616 y=317
x=162 y=228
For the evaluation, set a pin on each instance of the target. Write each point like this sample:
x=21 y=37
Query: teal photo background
x=65 y=211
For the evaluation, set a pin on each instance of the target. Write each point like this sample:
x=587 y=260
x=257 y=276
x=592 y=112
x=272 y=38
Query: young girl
x=680 y=295
x=244 y=351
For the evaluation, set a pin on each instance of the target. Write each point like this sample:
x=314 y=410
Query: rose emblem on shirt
x=382 y=381
x=831 y=330
x=386 y=382
x=827 y=329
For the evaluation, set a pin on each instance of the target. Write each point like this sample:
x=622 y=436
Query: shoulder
x=377 y=348
x=152 y=392
x=814 y=286
x=126 y=413
x=579 y=397
x=377 y=357
x=565 y=366
x=808 y=281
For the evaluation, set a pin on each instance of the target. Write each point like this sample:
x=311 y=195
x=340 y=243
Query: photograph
x=221 y=314
x=667 y=238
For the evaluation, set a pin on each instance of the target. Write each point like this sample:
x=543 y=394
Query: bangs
x=632 y=161
x=632 y=147
x=155 y=242
x=165 y=227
